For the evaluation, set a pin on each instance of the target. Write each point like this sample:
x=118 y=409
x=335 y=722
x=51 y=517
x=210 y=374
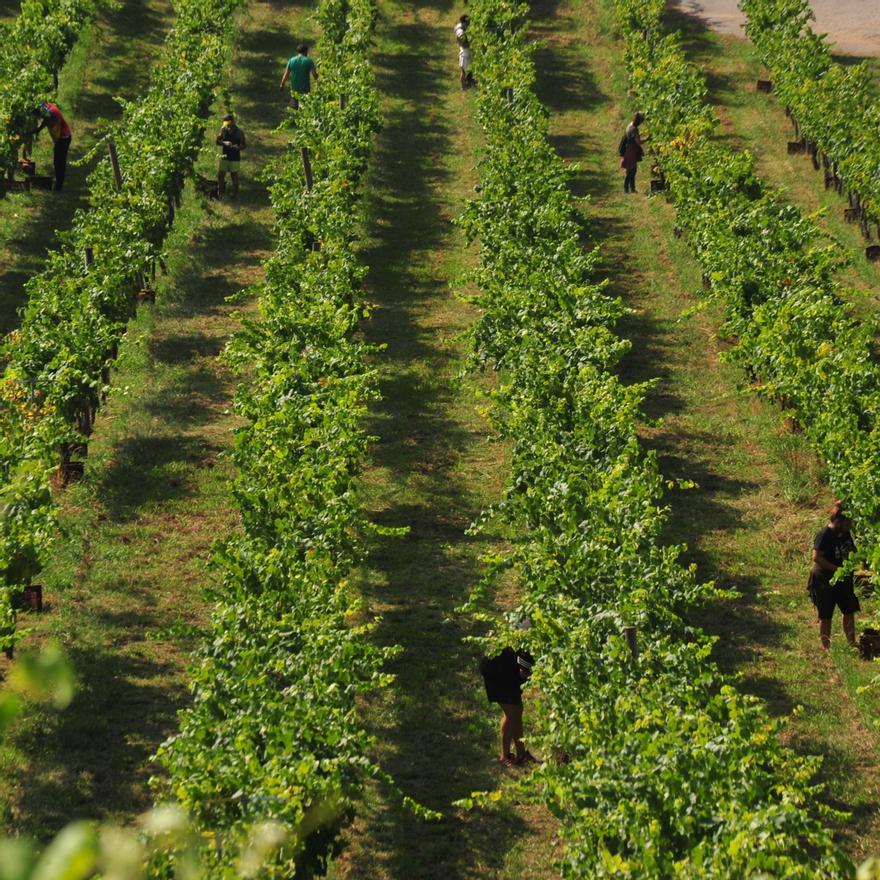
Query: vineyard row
x=766 y=264
x=57 y=364
x=33 y=49
x=274 y=736
x=833 y=106
x=655 y=766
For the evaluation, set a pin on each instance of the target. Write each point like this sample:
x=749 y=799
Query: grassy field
x=125 y=588
x=760 y=498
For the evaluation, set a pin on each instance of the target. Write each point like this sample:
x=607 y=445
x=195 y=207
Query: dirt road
x=854 y=25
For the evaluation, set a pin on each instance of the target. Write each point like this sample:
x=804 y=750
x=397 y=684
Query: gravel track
x=854 y=25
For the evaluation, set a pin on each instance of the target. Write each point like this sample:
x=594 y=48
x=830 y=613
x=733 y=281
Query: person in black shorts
x=503 y=676
x=830 y=550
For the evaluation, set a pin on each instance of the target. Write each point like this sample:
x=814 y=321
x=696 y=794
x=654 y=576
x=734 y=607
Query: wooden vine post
x=307 y=168
x=145 y=293
x=114 y=161
x=630 y=633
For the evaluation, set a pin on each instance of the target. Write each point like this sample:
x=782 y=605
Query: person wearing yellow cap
x=232 y=140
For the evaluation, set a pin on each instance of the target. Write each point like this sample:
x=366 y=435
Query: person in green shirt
x=299 y=70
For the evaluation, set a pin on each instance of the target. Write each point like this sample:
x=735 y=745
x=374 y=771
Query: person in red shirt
x=51 y=117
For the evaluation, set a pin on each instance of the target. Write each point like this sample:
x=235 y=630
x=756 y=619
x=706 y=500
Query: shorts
x=464 y=59
x=497 y=690
x=230 y=165
x=826 y=595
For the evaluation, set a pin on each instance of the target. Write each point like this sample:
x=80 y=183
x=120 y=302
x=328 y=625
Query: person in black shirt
x=503 y=677
x=830 y=550
x=231 y=139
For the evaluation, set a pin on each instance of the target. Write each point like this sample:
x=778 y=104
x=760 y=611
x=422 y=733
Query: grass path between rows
x=751 y=521
x=435 y=467
x=113 y=57
x=757 y=122
x=125 y=587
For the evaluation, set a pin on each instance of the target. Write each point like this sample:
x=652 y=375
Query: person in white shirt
x=464 y=62
x=464 y=51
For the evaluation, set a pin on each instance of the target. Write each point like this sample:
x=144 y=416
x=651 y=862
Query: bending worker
x=51 y=117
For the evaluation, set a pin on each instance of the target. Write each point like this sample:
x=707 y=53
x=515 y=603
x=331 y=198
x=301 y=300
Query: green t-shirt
x=300 y=68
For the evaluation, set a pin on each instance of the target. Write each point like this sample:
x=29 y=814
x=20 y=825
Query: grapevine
x=833 y=105
x=58 y=361
x=654 y=765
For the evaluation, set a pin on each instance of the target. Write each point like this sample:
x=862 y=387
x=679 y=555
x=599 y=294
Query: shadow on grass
x=149 y=471
x=701 y=46
x=130 y=38
x=148 y=465
x=564 y=82
x=90 y=754
x=419 y=580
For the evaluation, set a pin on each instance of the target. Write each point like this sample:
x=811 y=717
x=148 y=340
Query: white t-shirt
x=459 y=32
x=464 y=58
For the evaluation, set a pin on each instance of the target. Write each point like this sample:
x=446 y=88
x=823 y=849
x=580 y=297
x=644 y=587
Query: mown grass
x=435 y=467
x=760 y=499
x=112 y=58
x=124 y=590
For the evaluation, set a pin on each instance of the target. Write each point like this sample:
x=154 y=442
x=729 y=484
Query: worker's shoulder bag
x=817 y=585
